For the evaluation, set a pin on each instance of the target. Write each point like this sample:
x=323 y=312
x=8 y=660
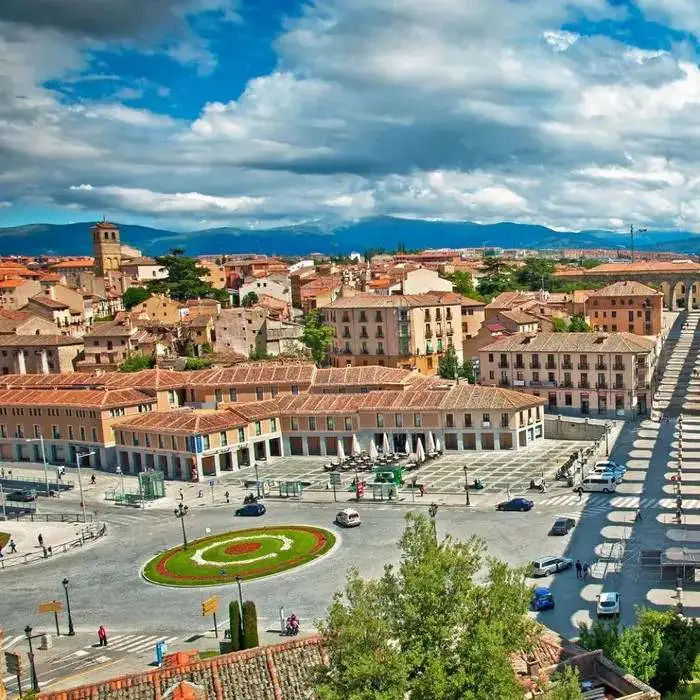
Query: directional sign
x=13 y=663
x=53 y=606
x=335 y=478
x=210 y=605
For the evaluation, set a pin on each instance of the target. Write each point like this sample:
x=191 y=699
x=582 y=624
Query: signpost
x=13 y=663
x=209 y=607
x=53 y=606
x=335 y=481
x=212 y=483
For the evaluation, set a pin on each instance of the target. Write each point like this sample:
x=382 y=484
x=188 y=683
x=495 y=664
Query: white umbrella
x=385 y=444
x=437 y=444
x=430 y=442
x=420 y=452
x=372 y=450
x=355 y=446
x=341 y=450
x=407 y=446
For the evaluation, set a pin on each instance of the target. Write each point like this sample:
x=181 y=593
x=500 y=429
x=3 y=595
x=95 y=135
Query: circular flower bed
x=251 y=553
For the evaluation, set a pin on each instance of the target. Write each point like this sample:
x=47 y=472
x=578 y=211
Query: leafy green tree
x=498 y=277
x=559 y=325
x=589 y=263
x=602 y=634
x=565 y=685
x=468 y=372
x=186 y=279
x=536 y=273
x=197 y=363
x=234 y=617
x=448 y=366
x=317 y=336
x=426 y=627
x=250 y=625
x=249 y=299
x=134 y=296
x=463 y=283
x=255 y=354
x=578 y=325
x=136 y=362
x=638 y=650
x=207 y=348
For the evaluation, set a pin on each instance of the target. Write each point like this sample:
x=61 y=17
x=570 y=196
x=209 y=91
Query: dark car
x=562 y=526
x=542 y=599
x=252 y=509
x=521 y=504
x=24 y=496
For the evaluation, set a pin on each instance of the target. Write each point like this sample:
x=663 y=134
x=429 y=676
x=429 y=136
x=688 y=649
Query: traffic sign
x=335 y=478
x=212 y=482
x=13 y=663
x=53 y=606
x=210 y=605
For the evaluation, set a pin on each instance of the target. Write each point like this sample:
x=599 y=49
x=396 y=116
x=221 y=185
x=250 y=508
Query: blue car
x=251 y=509
x=542 y=599
x=521 y=504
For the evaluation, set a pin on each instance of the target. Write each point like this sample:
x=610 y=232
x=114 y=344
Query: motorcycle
x=292 y=627
x=249 y=498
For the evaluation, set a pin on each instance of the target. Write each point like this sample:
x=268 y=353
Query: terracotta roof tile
x=254 y=374
x=183 y=422
x=38 y=340
x=627 y=288
x=571 y=342
x=50 y=303
x=360 y=301
x=93 y=398
x=12 y=283
x=372 y=375
x=256 y=410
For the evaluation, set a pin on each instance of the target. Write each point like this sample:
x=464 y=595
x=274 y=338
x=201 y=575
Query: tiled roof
x=571 y=342
x=279 y=672
x=627 y=288
x=256 y=410
x=16 y=315
x=505 y=300
x=457 y=298
x=149 y=379
x=92 y=398
x=253 y=373
x=110 y=329
x=153 y=379
x=138 y=261
x=183 y=422
x=12 y=283
x=67 y=264
x=360 y=301
x=198 y=321
x=362 y=376
x=50 y=303
x=38 y=340
x=519 y=317
x=641 y=266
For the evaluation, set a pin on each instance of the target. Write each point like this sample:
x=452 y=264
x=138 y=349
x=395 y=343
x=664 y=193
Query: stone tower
x=106 y=248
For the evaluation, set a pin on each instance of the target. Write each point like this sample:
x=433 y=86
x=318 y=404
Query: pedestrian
x=13 y=547
x=421 y=489
x=579 y=568
x=182 y=495
x=227 y=496
x=92 y=479
x=2 y=473
x=41 y=540
x=9 y=473
x=102 y=636
x=200 y=493
x=580 y=493
x=585 y=570
x=2 y=556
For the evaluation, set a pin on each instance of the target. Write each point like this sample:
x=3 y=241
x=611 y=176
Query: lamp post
x=78 y=455
x=2 y=495
x=40 y=440
x=432 y=511
x=71 y=630
x=240 y=599
x=257 y=477
x=608 y=429
x=466 y=485
x=180 y=512
x=35 y=680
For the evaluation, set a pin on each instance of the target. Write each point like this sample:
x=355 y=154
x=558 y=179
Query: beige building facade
x=39 y=354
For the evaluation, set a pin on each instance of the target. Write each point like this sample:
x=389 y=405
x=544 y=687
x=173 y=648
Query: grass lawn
x=4 y=539
x=250 y=553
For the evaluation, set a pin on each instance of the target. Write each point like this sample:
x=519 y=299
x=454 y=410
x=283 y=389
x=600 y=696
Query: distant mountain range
x=379 y=232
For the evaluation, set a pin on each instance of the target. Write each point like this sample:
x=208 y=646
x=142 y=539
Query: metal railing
x=52 y=517
x=88 y=534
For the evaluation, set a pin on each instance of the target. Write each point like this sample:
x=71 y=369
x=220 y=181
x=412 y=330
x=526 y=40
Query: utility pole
x=639 y=230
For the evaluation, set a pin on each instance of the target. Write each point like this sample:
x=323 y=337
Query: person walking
x=579 y=568
x=102 y=636
x=227 y=495
x=580 y=494
x=13 y=547
x=585 y=570
x=2 y=473
x=41 y=540
x=182 y=495
x=92 y=480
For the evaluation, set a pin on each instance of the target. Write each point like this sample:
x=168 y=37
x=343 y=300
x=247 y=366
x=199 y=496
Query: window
x=223 y=438
x=82 y=433
x=450 y=420
x=160 y=442
x=218 y=395
x=147 y=441
x=70 y=432
x=273 y=424
x=567 y=400
x=37 y=431
x=417 y=420
x=173 y=442
x=348 y=423
x=398 y=419
x=467 y=420
x=486 y=419
x=380 y=420
x=206 y=444
x=490 y=357
x=3 y=430
x=274 y=391
x=258 y=428
x=259 y=393
x=232 y=394
x=20 y=431
x=295 y=423
x=330 y=423
x=241 y=435
x=504 y=420
x=171 y=396
x=55 y=432
x=135 y=439
x=295 y=390
x=312 y=423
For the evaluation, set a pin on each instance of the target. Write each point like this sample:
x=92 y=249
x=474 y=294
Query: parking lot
x=500 y=471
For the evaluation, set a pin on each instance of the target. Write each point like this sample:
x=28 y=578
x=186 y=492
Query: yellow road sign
x=13 y=663
x=210 y=605
x=52 y=606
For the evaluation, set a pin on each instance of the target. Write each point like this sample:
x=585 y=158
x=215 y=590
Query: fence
x=15 y=481
x=53 y=517
x=88 y=534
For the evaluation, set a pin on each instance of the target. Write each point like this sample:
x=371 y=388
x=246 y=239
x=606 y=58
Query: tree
x=448 y=366
x=602 y=634
x=234 y=617
x=134 y=296
x=498 y=277
x=426 y=627
x=589 y=263
x=249 y=299
x=536 y=273
x=197 y=363
x=565 y=685
x=250 y=626
x=463 y=283
x=136 y=362
x=638 y=650
x=186 y=279
x=578 y=325
x=317 y=336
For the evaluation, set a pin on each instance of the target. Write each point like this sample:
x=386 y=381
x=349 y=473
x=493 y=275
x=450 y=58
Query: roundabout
x=248 y=554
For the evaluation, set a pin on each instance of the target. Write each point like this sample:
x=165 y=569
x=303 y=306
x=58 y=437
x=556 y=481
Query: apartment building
x=108 y=344
x=24 y=323
x=599 y=374
x=161 y=308
x=39 y=354
x=626 y=307
x=15 y=292
x=142 y=269
x=408 y=331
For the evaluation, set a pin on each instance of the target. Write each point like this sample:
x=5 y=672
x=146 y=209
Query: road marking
x=11 y=641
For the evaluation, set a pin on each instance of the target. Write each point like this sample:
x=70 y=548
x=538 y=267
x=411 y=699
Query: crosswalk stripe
x=146 y=644
x=133 y=644
x=11 y=641
x=126 y=639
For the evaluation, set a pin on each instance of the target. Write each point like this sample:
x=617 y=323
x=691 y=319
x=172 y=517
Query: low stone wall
x=573 y=428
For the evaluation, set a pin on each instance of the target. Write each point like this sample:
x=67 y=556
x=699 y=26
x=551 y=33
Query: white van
x=598 y=482
x=348 y=517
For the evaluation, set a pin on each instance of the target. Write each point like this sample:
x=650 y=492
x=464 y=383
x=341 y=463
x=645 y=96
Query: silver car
x=544 y=566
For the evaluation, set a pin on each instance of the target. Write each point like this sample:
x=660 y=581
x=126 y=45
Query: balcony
x=601 y=385
x=380 y=351
x=642 y=385
x=364 y=334
x=503 y=382
x=428 y=333
x=503 y=364
x=534 y=365
x=601 y=365
x=346 y=334
x=584 y=385
x=519 y=365
x=567 y=384
x=618 y=367
x=364 y=351
x=566 y=365
x=537 y=382
x=618 y=385
x=363 y=318
x=449 y=330
x=379 y=334
x=551 y=364
x=583 y=366
x=346 y=318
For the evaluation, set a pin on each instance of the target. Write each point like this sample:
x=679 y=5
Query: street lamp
x=240 y=598
x=78 y=455
x=35 y=680
x=71 y=630
x=432 y=511
x=40 y=440
x=466 y=485
x=257 y=477
x=2 y=495
x=180 y=512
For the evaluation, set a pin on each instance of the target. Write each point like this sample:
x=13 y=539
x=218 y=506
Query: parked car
x=26 y=496
x=598 y=482
x=251 y=509
x=544 y=566
x=613 y=466
x=348 y=517
x=604 y=472
x=608 y=604
x=562 y=526
x=520 y=503
x=542 y=598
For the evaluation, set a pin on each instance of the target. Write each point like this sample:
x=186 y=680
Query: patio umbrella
x=385 y=444
x=372 y=450
x=437 y=444
x=355 y=446
x=430 y=442
x=407 y=447
x=420 y=452
x=341 y=450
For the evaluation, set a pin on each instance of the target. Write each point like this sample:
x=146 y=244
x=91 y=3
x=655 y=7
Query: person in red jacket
x=102 y=636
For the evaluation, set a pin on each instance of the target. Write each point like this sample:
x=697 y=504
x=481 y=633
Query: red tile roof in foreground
x=34 y=340
x=88 y=398
x=253 y=373
x=183 y=422
x=363 y=376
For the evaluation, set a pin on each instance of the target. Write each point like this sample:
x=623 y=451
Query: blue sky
x=187 y=114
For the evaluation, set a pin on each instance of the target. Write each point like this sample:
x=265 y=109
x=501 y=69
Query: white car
x=348 y=517
x=612 y=466
x=605 y=471
x=608 y=604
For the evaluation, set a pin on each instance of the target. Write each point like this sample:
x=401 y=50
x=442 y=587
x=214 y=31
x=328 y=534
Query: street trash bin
x=46 y=641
